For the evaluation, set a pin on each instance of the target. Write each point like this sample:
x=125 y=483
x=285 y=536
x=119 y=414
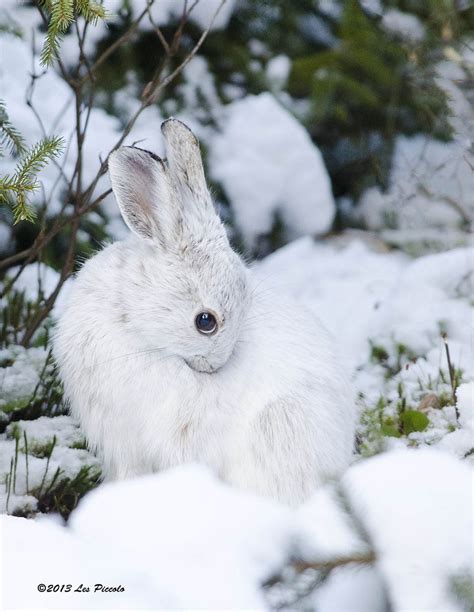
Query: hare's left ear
x=185 y=165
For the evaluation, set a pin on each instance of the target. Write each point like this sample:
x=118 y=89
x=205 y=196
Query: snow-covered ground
x=183 y=539
x=185 y=528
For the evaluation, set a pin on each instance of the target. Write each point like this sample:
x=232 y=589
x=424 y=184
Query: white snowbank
x=360 y=294
x=267 y=164
x=344 y=287
x=417 y=508
x=182 y=539
x=176 y=540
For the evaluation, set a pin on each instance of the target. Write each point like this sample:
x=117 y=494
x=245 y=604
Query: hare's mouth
x=200 y=364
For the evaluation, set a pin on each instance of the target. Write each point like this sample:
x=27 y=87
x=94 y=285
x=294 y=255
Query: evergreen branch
x=47 y=4
x=91 y=11
x=51 y=45
x=14 y=190
x=62 y=14
x=10 y=137
x=37 y=158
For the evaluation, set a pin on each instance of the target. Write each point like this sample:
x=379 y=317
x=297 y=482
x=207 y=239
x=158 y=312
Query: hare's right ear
x=144 y=194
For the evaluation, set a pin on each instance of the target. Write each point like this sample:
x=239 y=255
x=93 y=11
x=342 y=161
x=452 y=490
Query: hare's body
x=262 y=401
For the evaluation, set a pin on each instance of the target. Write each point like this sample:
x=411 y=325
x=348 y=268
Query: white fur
x=264 y=402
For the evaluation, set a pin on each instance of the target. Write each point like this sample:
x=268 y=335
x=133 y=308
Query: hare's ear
x=144 y=194
x=185 y=165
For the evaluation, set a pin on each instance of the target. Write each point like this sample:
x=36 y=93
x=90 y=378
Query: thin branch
x=159 y=33
x=116 y=45
x=450 y=201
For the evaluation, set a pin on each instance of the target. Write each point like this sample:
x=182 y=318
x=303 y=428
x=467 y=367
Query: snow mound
x=182 y=539
x=414 y=510
x=268 y=166
x=417 y=509
x=176 y=540
x=361 y=294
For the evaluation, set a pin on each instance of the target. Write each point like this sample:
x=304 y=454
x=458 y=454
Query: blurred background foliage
x=354 y=84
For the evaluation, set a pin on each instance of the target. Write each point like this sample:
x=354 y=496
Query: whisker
x=146 y=351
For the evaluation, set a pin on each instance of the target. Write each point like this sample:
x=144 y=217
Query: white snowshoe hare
x=171 y=352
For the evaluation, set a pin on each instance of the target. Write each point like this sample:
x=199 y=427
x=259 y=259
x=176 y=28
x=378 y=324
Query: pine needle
x=15 y=189
x=10 y=137
x=62 y=14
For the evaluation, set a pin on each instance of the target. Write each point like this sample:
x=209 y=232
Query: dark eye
x=206 y=323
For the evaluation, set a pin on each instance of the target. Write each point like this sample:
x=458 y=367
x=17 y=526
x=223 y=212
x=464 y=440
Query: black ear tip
x=131 y=154
x=173 y=127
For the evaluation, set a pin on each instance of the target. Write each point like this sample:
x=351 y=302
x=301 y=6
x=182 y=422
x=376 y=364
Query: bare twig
x=450 y=201
x=300 y=566
x=116 y=45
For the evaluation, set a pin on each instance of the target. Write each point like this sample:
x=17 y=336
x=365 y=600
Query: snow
x=56 y=452
x=4 y=237
x=277 y=71
x=404 y=499
x=405 y=25
x=344 y=287
x=361 y=294
x=351 y=590
x=426 y=177
x=325 y=530
x=35 y=280
x=465 y=404
x=267 y=164
x=431 y=181
x=18 y=380
x=200 y=544
x=202 y=13
x=42 y=430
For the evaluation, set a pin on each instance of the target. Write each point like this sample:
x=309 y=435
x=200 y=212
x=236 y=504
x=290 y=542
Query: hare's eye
x=206 y=323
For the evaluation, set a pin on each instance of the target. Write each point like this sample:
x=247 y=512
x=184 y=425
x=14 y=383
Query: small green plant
x=63 y=494
x=406 y=405
x=378 y=354
x=55 y=492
